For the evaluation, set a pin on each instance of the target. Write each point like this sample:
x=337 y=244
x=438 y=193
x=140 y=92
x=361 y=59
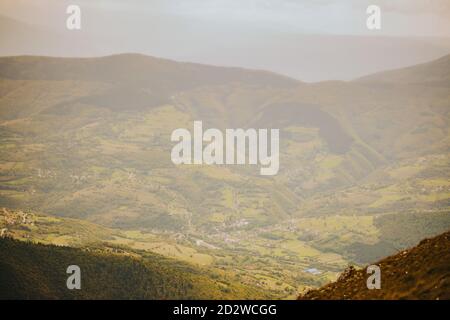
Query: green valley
x=85 y=166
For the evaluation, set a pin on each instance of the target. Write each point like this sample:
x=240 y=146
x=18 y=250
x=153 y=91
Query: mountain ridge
x=440 y=65
x=434 y=72
x=137 y=64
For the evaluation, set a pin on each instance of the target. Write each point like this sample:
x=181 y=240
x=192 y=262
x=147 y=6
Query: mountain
x=421 y=272
x=135 y=69
x=88 y=139
x=433 y=73
x=129 y=81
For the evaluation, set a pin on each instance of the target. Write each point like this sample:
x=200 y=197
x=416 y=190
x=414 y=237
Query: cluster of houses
x=14 y=218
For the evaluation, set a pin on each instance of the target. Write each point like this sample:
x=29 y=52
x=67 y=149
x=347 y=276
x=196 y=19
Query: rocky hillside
x=422 y=272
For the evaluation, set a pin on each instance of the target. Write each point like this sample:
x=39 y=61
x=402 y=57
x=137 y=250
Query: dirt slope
x=422 y=272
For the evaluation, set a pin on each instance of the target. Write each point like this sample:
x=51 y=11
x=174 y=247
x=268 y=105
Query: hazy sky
x=400 y=17
x=309 y=40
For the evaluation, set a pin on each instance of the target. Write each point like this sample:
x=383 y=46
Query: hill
x=430 y=73
x=36 y=271
x=136 y=69
x=422 y=272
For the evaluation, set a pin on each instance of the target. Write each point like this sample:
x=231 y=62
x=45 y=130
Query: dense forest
x=35 y=271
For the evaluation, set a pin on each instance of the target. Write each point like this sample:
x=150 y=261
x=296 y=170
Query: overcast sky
x=400 y=17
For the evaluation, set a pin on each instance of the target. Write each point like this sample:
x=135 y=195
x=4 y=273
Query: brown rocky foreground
x=422 y=272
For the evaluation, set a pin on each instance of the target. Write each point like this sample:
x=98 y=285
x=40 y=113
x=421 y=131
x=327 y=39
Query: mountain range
x=363 y=164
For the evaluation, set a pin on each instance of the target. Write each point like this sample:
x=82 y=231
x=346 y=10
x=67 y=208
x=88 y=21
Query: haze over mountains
x=363 y=164
x=304 y=56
